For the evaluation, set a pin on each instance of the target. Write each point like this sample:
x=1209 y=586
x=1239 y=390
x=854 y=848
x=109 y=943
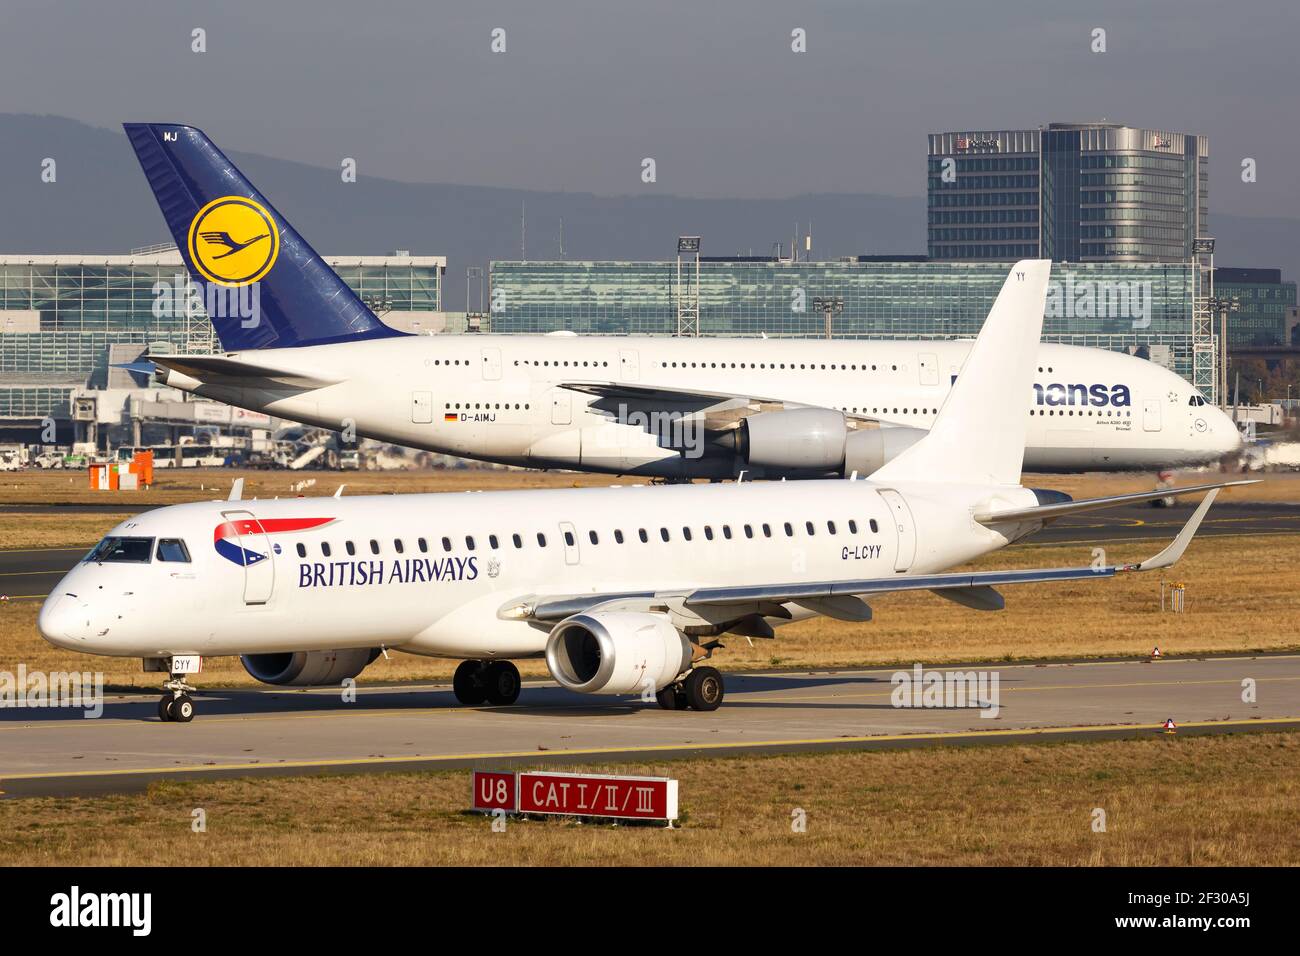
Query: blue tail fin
x=263 y=285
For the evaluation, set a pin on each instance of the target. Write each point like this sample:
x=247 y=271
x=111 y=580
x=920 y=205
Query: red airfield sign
x=576 y=795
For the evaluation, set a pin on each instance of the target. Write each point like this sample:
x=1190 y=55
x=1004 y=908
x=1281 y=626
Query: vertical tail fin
x=979 y=434
x=244 y=256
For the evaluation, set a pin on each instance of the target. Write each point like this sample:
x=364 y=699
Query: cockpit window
x=122 y=550
x=173 y=549
x=1196 y=400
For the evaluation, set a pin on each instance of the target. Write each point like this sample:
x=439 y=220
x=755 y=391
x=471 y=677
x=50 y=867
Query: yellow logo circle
x=233 y=241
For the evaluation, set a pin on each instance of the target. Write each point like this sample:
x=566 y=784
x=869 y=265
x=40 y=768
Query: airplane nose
x=1226 y=436
x=62 y=621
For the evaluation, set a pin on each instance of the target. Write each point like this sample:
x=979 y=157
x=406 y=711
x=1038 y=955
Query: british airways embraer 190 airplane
x=302 y=346
x=622 y=590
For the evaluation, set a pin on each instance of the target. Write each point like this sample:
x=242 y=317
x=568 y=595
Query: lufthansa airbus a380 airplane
x=622 y=590
x=305 y=348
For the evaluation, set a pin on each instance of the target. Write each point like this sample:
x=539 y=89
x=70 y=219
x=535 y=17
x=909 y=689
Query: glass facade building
x=1093 y=192
x=1263 y=303
x=59 y=314
x=1137 y=307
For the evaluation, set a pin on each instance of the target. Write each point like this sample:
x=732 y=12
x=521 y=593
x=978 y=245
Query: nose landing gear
x=176 y=704
x=496 y=682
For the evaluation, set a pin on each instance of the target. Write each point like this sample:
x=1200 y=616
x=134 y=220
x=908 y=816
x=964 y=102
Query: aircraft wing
x=842 y=599
x=224 y=370
x=720 y=408
x=1046 y=512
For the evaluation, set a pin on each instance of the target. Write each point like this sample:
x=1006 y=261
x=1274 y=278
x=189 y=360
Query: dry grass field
x=173 y=487
x=1169 y=801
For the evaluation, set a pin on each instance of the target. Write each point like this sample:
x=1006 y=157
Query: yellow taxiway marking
x=650 y=748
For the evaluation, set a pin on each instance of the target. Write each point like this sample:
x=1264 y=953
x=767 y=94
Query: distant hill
x=102 y=204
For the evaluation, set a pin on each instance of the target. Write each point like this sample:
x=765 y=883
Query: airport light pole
x=1223 y=305
x=831 y=305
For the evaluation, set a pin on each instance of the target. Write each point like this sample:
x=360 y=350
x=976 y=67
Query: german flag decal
x=449 y=416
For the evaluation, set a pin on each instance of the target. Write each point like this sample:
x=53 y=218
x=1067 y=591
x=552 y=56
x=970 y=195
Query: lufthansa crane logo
x=233 y=241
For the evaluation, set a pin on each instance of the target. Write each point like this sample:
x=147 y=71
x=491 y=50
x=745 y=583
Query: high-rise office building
x=1071 y=192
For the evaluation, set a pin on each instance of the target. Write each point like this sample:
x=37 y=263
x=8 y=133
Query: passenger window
x=789 y=531
x=726 y=531
x=374 y=546
x=541 y=540
x=830 y=527
x=568 y=538
x=325 y=548
x=492 y=542
x=349 y=547
x=302 y=550
x=767 y=530
x=618 y=536
x=812 y=530
x=644 y=537
x=708 y=532
x=853 y=526
x=446 y=544
x=397 y=545
x=173 y=549
x=663 y=533
x=519 y=542
x=749 y=531
x=592 y=537
x=469 y=542
x=424 y=545
x=686 y=533
x=874 y=527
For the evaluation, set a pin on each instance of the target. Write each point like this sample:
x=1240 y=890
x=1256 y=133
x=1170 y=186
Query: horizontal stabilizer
x=221 y=369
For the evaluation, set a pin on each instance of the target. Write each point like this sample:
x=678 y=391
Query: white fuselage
x=432 y=574
x=499 y=398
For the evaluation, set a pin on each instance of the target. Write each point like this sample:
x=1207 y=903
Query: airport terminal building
x=1141 y=308
x=63 y=316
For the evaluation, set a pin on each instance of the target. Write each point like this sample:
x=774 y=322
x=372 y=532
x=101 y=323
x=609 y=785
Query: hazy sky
x=709 y=88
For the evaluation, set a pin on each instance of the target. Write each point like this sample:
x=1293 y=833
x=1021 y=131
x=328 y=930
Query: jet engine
x=867 y=449
x=309 y=668
x=818 y=440
x=616 y=652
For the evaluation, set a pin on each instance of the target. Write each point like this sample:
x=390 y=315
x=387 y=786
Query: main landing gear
x=176 y=704
x=496 y=682
x=701 y=690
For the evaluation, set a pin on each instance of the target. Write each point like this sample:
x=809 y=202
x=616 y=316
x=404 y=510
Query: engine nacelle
x=797 y=438
x=309 y=668
x=616 y=652
x=869 y=448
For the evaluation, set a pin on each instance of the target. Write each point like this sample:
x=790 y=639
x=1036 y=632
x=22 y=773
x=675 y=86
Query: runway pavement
x=410 y=727
x=30 y=574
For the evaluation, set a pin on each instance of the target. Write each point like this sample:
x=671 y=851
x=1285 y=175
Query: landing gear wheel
x=467 y=685
x=182 y=709
x=501 y=682
x=165 y=708
x=703 y=688
x=672 y=697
